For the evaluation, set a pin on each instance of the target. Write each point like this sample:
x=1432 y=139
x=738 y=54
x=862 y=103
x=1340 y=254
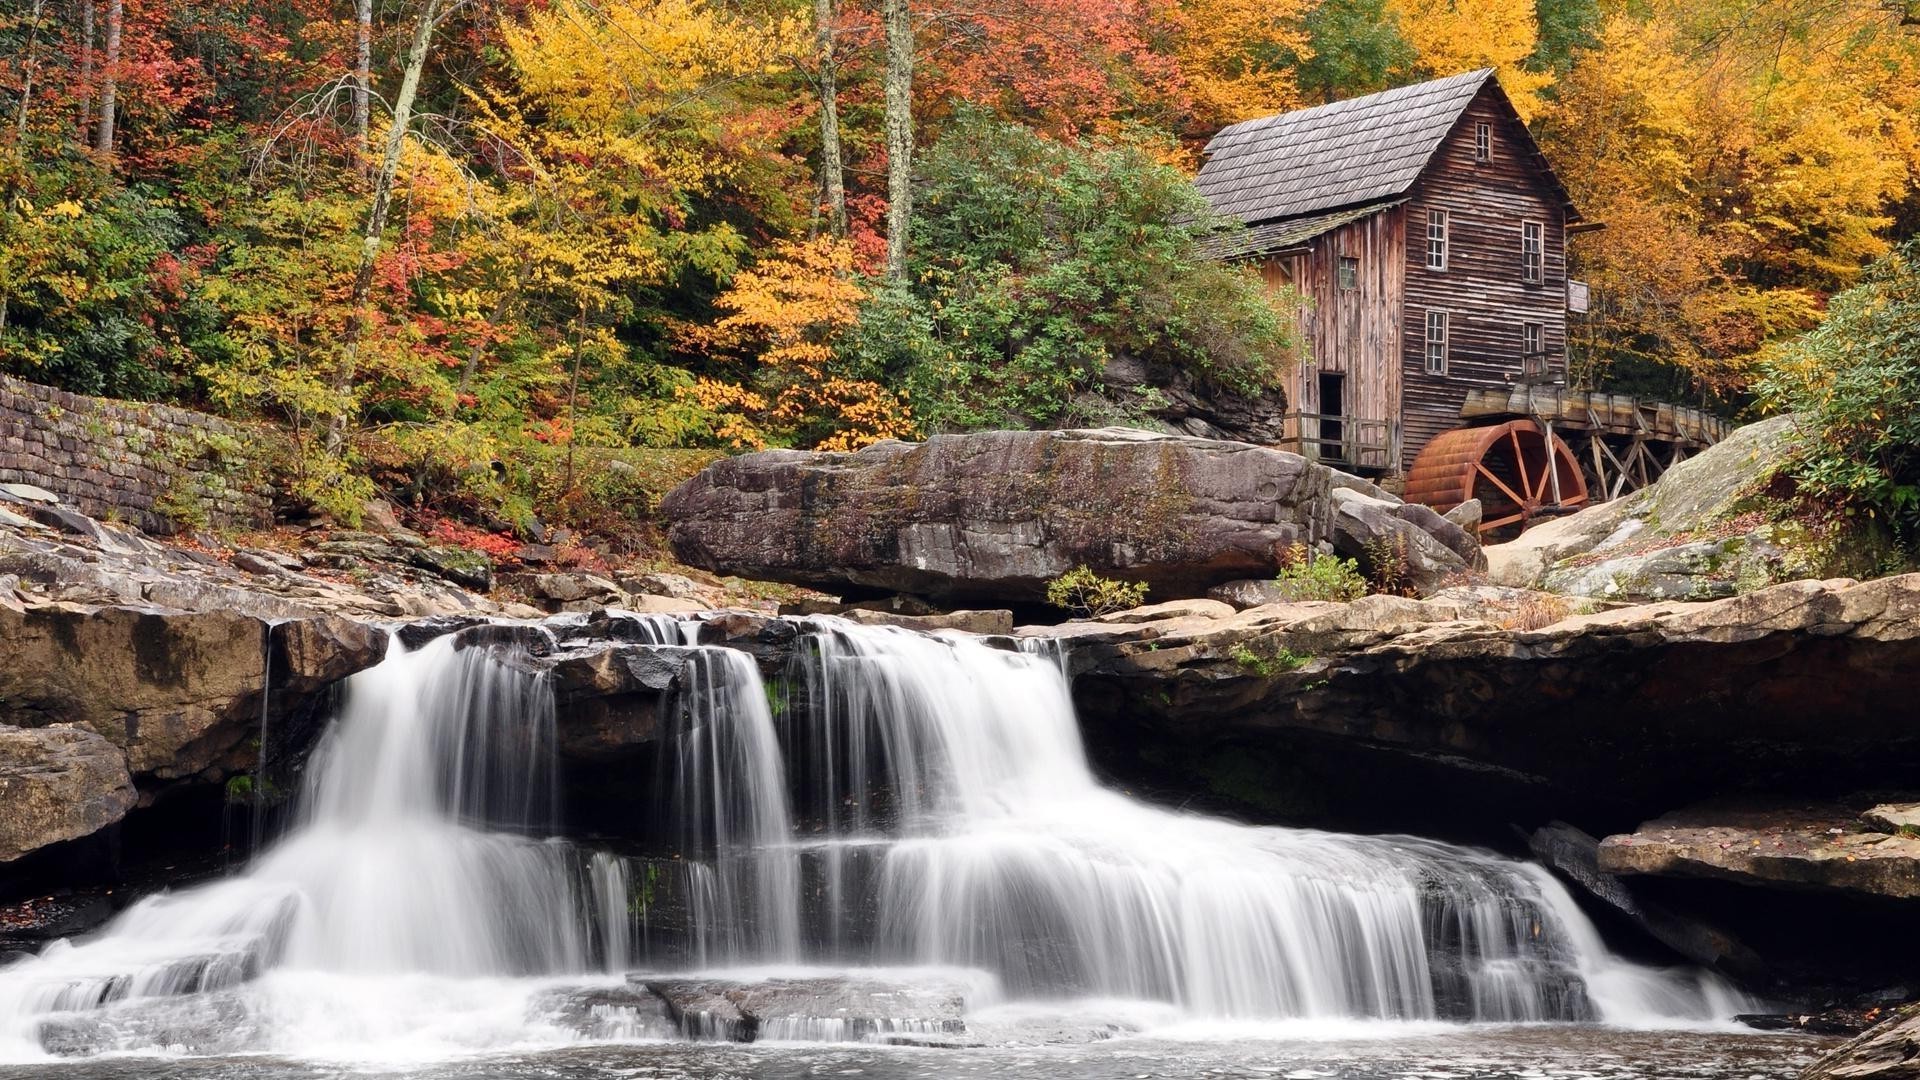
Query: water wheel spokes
x=1517 y=471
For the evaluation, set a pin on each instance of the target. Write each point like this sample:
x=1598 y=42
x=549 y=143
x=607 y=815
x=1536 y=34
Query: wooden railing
x=1360 y=444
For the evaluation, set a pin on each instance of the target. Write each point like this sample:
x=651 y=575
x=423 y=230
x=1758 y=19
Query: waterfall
x=940 y=785
x=420 y=849
x=893 y=800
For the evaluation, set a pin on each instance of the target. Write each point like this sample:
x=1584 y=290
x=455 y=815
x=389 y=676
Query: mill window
x=1532 y=252
x=1349 y=272
x=1436 y=239
x=1436 y=343
x=1533 y=339
x=1483 y=141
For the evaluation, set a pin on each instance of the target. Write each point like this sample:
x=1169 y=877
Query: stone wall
x=161 y=468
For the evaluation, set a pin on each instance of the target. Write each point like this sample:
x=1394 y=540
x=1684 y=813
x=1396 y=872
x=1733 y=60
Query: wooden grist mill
x=1427 y=234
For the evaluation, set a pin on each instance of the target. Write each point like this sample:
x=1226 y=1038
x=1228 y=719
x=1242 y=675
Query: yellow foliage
x=1452 y=36
x=1239 y=56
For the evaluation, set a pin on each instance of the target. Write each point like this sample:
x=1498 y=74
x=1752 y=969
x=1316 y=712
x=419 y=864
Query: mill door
x=1333 y=411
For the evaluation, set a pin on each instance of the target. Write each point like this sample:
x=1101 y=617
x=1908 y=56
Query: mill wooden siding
x=1356 y=331
x=1482 y=288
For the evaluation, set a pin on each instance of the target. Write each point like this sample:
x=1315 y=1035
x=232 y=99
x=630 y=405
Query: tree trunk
x=832 y=172
x=29 y=69
x=362 y=74
x=377 y=218
x=109 y=78
x=899 y=82
x=86 y=68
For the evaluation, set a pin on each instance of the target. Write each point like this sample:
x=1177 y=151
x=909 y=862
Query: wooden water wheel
x=1518 y=470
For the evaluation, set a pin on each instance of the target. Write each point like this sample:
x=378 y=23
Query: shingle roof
x=1281 y=235
x=1351 y=152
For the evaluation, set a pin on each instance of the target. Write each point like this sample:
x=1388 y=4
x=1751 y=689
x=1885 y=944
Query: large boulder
x=56 y=784
x=178 y=692
x=1684 y=537
x=995 y=515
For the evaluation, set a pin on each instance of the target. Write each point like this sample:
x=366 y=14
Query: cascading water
x=417 y=856
x=943 y=789
x=894 y=800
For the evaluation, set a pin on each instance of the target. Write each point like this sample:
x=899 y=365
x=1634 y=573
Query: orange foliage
x=784 y=315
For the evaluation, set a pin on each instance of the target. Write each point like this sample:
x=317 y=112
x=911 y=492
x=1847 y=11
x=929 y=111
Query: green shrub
x=1855 y=384
x=1308 y=575
x=1082 y=591
x=1037 y=261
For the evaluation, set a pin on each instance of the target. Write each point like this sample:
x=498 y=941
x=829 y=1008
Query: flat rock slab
x=836 y=1008
x=1801 y=847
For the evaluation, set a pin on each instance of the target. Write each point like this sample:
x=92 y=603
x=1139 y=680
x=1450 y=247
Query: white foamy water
x=895 y=800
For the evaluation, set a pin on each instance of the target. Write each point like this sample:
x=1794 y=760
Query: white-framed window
x=1436 y=342
x=1533 y=252
x=1349 y=272
x=1483 y=141
x=1436 y=239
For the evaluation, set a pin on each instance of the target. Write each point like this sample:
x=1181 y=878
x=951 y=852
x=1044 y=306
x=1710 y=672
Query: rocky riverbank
x=1724 y=775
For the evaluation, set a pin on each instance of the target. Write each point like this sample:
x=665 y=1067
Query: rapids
x=894 y=801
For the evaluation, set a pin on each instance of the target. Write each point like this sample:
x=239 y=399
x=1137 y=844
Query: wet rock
x=605 y=1012
x=609 y=698
x=845 y=1008
x=215 y=1023
x=972 y=622
x=1795 y=846
x=998 y=514
x=1890 y=1050
x=56 y=784
x=418 y=633
x=1576 y=856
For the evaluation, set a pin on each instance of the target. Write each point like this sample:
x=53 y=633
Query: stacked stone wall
x=158 y=467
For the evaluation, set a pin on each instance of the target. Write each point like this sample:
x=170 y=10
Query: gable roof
x=1349 y=153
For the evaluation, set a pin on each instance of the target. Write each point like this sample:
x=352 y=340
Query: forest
x=508 y=259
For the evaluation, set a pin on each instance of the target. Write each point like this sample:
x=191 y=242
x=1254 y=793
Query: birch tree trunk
x=832 y=171
x=109 y=78
x=899 y=124
x=377 y=219
x=362 y=73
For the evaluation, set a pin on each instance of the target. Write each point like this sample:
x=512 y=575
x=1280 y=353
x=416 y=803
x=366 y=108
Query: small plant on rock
x=1390 y=566
x=1086 y=593
x=1306 y=574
